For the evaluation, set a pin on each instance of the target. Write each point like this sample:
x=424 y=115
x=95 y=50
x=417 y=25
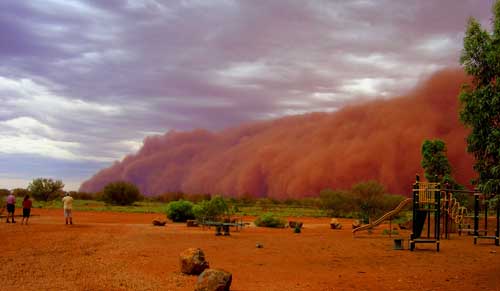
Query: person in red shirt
x=27 y=204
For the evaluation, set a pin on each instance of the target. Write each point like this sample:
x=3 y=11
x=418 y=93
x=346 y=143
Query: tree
x=4 y=192
x=434 y=161
x=121 y=193
x=180 y=211
x=480 y=101
x=369 y=197
x=20 y=192
x=213 y=209
x=45 y=189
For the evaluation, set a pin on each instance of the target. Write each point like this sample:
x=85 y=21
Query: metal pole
x=476 y=217
x=486 y=204
x=414 y=213
x=437 y=216
x=497 y=239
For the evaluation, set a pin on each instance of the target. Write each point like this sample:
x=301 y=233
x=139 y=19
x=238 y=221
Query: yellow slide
x=386 y=216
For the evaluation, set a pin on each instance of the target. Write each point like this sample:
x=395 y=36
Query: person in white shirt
x=68 y=207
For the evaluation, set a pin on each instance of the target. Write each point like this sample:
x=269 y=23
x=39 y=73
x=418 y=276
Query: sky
x=82 y=83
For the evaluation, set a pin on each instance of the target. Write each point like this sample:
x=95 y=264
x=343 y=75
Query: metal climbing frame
x=426 y=206
x=477 y=217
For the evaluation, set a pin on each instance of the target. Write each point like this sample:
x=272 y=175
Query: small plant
x=270 y=220
x=387 y=232
x=180 y=211
x=121 y=193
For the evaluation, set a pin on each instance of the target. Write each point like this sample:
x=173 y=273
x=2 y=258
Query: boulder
x=192 y=261
x=335 y=224
x=159 y=222
x=356 y=223
x=214 y=280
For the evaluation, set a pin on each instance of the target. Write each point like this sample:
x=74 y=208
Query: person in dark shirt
x=27 y=204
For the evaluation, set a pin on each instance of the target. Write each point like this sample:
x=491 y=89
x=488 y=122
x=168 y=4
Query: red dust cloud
x=298 y=156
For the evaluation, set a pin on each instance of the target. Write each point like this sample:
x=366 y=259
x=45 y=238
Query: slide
x=386 y=216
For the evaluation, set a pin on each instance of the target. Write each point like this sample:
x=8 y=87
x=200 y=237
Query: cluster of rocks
x=335 y=224
x=192 y=262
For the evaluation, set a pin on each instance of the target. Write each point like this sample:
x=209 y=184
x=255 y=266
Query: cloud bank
x=298 y=156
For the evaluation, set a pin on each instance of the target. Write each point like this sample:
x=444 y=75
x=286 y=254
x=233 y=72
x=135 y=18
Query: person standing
x=11 y=207
x=68 y=207
x=27 y=204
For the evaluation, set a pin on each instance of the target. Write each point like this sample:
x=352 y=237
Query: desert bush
x=180 y=211
x=20 y=192
x=337 y=203
x=213 y=209
x=270 y=220
x=121 y=193
x=4 y=192
x=43 y=189
x=369 y=197
x=82 y=195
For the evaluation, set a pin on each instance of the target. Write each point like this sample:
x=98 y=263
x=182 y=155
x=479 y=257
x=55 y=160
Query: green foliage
x=387 y=232
x=480 y=103
x=434 y=160
x=45 y=189
x=121 y=193
x=337 y=203
x=180 y=211
x=213 y=209
x=4 y=192
x=20 y=192
x=436 y=166
x=270 y=220
x=369 y=197
x=82 y=195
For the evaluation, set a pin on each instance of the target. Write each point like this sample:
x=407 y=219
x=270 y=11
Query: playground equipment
x=426 y=206
x=485 y=199
x=453 y=213
x=384 y=217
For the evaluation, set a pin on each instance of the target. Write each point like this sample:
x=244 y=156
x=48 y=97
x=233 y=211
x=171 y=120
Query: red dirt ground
x=118 y=251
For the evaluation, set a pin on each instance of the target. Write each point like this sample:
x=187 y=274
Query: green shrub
x=20 y=192
x=213 y=209
x=270 y=220
x=180 y=211
x=4 y=192
x=337 y=203
x=121 y=193
x=387 y=232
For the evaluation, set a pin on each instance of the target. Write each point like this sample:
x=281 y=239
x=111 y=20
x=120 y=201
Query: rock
x=295 y=224
x=356 y=223
x=335 y=224
x=159 y=222
x=193 y=261
x=214 y=280
x=259 y=245
x=191 y=223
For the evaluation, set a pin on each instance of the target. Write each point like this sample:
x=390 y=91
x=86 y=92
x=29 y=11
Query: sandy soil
x=117 y=251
